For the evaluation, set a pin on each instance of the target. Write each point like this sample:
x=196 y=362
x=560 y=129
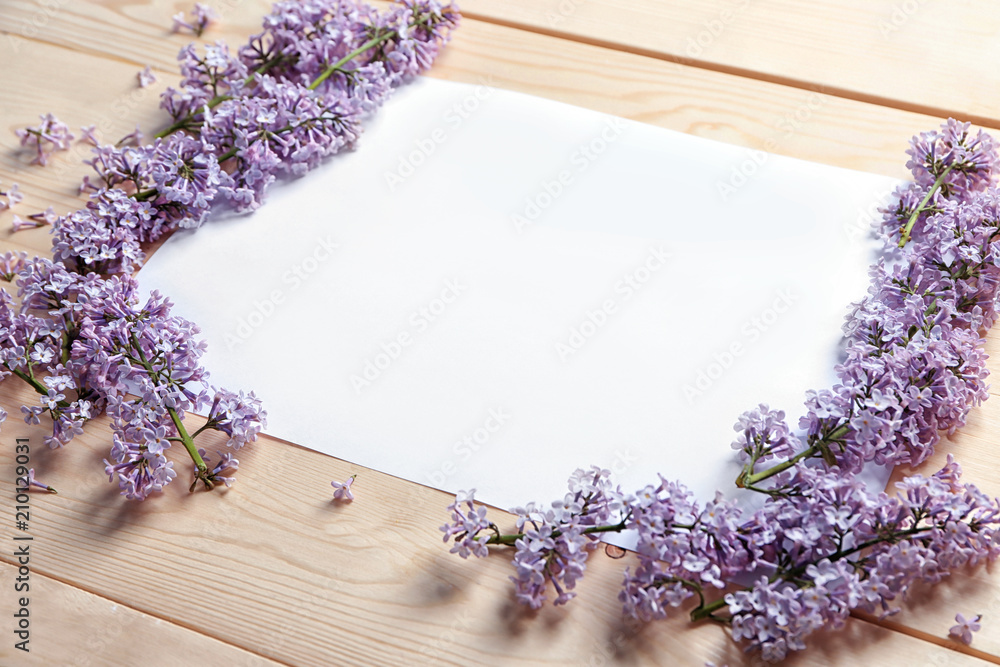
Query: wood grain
x=808 y=124
x=272 y=566
x=931 y=57
x=73 y=628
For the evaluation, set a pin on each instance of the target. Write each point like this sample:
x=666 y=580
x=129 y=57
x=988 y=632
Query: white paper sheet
x=495 y=289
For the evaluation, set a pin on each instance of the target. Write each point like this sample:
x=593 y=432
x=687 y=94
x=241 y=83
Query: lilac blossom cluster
x=88 y=344
x=298 y=91
x=914 y=363
x=145 y=78
x=294 y=95
x=822 y=544
x=551 y=543
x=202 y=16
x=51 y=135
x=821 y=547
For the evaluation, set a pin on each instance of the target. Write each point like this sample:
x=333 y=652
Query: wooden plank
x=808 y=124
x=930 y=57
x=931 y=609
x=386 y=569
x=80 y=90
x=272 y=565
x=73 y=628
x=88 y=88
x=136 y=34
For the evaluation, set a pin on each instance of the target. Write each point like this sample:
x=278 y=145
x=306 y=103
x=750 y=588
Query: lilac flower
x=97 y=239
x=30 y=482
x=682 y=548
x=964 y=162
x=11 y=264
x=88 y=133
x=553 y=544
x=185 y=178
x=46 y=217
x=146 y=78
x=201 y=17
x=51 y=135
x=238 y=415
x=342 y=490
x=764 y=435
x=125 y=168
x=139 y=471
x=19 y=224
x=226 y=463
x=123 y=217
x=134 y=138
x=468 y=526
x=80 y=336
x=13 y=195
x=963 y=629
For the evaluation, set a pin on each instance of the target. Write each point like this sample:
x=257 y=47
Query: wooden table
x=271 y=572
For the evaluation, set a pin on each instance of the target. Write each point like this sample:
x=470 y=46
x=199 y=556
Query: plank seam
x=159 y=617
x=922 y=635
x=788 y=82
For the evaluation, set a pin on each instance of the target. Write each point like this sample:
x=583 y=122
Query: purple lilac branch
x=80 y=337
x=822 y=544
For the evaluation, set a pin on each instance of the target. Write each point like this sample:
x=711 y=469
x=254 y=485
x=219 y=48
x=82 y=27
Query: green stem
x=920 y=209
x=66 y=343
x=705 y=611
x=186 y=439
x=182 y=124
x=374 y=41
x=207 y=425
x=747 y=480
x=35 y=384
x=512 y=538
x=219 y=99
x=188 y=443
x=38 y=386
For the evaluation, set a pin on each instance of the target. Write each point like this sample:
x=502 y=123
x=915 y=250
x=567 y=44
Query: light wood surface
x=272 y=572
x=933 y=57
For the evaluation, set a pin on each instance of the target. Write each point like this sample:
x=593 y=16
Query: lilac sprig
x=293 y=96
x=49 y=136
x=883 y=547
x=551 y=545
x=87 y=344
x=822 y=544
x=202 y=16
x=914 y=362
x=822 y=547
